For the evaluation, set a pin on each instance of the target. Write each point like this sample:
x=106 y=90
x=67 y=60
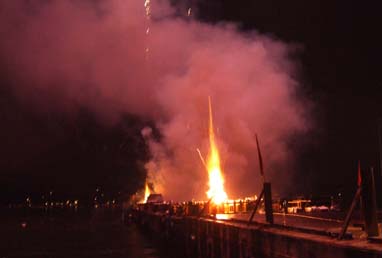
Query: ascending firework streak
x=216 y=181
x=147 y=5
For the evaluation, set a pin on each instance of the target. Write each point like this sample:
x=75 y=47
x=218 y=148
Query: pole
x=379 y=127
x=260 y=159
x=268 y=203
x=267 y=192
x=369 y=203
x=257 y=203
x=350 y=213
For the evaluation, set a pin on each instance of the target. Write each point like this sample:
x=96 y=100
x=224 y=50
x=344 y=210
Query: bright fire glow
x=147 y=192
x=222 y=216
x=216 y=181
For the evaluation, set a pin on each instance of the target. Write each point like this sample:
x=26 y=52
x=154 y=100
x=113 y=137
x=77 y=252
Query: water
x=73 y=233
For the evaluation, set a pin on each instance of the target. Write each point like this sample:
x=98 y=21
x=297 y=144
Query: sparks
x=201 y=158
x=216 y=181
x=147 y=8
x=147 y=5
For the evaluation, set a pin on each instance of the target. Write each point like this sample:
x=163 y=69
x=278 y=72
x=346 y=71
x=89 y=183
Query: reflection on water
x=72 y=233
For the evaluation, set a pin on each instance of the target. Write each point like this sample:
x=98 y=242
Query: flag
x=359 y=179
x=260 y=158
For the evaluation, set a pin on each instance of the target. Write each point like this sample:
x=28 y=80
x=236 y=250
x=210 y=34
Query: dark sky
x=340 y=58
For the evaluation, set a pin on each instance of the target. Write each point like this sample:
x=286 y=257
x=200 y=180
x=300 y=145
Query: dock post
x=369 y=203
x=268 y=203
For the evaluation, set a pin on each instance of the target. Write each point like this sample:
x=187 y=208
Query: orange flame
x=147 y=192
x=216 y=181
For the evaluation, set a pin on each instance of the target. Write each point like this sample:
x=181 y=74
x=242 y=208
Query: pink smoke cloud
x=63 y=54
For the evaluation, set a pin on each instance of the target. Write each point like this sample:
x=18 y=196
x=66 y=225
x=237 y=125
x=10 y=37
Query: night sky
x=339 y=58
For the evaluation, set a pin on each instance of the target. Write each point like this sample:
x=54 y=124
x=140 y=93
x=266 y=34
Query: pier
x=290 y=236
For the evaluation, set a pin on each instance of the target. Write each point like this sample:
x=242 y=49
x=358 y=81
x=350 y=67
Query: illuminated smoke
x=61 y=55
